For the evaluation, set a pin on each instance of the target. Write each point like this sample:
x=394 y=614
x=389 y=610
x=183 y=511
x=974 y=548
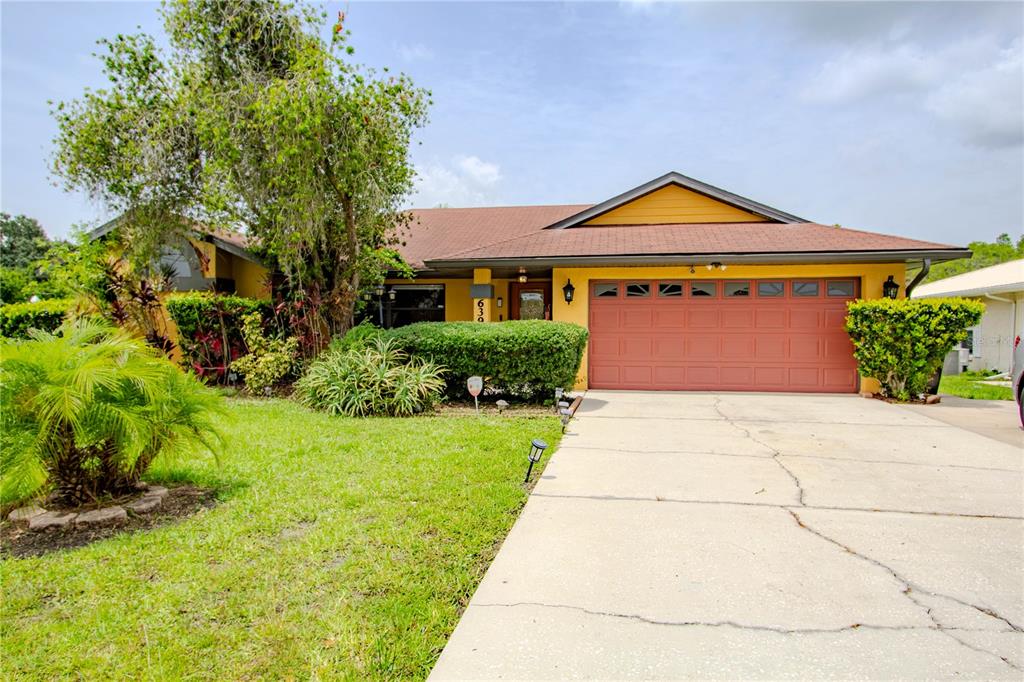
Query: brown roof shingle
x=474 y=234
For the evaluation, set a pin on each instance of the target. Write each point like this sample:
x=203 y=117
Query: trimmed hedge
x=17 y=318
x=210 y=329
x=902 y=342
x=529 y=358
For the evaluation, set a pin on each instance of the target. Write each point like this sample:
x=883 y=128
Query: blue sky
x=900 y=118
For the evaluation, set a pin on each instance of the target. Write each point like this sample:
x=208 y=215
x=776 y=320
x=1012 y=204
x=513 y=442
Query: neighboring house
x=212 y=260
x=682 y=285
x=1001 y=288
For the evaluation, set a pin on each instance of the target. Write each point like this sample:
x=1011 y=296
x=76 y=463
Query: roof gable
x=660 y=201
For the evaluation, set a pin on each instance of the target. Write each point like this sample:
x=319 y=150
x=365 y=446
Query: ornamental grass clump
x=87 y=409
x=902 y=342
x=376 y=379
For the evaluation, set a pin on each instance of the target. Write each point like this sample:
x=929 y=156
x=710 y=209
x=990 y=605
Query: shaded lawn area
x=339 y=548
x=969 y=387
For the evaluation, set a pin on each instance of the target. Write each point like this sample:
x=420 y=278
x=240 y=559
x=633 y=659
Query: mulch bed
x=180 y=502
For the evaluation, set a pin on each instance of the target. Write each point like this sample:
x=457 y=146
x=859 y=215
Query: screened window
x=770 y=289
x=702 y=289
x=842 y=288
x=737 y=288
x=670 y=289
x=638 y=290
x=805 y=289
x=413 y=303
x=606 y=290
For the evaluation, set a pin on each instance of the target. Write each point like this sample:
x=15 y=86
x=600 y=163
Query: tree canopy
x=22 y=241
x=251 y=121
x=1003 y=249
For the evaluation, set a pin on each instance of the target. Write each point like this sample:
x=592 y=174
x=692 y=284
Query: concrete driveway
x=682 y=535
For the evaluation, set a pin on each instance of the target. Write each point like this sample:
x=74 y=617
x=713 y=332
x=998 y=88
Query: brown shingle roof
x=474 y=234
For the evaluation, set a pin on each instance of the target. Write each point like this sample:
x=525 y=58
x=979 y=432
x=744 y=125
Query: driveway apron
x=697 y=535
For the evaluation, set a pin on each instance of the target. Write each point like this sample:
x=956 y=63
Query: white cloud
x=872 y=71
x=973 y=86
x=416 y=52
x=464 y=181
x=985 y=104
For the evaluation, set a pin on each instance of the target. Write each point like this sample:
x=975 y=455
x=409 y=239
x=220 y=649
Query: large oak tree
x=251 y=120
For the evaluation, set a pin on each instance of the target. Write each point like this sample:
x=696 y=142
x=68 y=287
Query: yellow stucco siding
x=250 y=278
x=871 y=277
x=674 y=204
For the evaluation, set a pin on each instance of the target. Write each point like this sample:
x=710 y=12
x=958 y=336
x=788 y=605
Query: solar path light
x=537 y=448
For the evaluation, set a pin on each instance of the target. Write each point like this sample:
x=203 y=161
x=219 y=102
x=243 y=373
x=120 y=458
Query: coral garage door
x=725 y=335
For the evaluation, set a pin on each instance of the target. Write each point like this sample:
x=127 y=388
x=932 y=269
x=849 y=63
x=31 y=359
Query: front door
x=530 y=301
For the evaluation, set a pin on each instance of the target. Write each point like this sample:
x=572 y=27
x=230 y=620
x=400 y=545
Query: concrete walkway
x=684 y=535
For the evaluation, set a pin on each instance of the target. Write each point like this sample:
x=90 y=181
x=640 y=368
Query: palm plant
x=376 y=378
x=88 y=408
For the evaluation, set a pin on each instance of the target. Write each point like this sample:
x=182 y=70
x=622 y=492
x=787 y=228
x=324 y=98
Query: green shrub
x=88 y=410
x=269 y=360
x=529 y=358
x=377 y=379
x=358 y=336
x=16 y=319
x=210 y=329
x=902 y=342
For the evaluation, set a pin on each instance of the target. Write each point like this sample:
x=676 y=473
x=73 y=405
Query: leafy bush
x=269 y=360
x=902 y=342
x=358 y=336
x=88 y=410
x=210 y=329
x=16 y=319
x=377 y=379
x=529 y=358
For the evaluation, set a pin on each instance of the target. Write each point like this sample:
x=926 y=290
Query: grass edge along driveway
x=339 y=548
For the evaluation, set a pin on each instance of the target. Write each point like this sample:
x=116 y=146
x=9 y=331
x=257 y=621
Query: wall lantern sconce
x=522 y=275
x=500 y=302
x=379 y=290
x=568 y=290
x=890 y=289
x=537 y=448
x=391 y=294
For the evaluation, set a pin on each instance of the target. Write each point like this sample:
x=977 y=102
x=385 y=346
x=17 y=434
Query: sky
x=899 y=118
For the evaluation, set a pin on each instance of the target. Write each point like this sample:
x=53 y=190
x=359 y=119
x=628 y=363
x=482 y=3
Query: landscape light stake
x=537 y=448
x=566 y=416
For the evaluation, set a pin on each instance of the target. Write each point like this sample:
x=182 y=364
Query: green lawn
x=968 y=387
x=340 y=548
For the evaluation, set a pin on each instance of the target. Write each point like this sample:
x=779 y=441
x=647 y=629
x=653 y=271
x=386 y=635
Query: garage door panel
x=669 y=319
x=784 y=343
x=804 y=319
x=702 y=348
x=637 y=348
x=803 y=348
x=702 y=376
x=637 y=318
x=669 y=347
x=737 y=346
x=702 y=318
x=668 y=377
x=737 y=319
x=637 y=374
x=770 y=347
x=737 y=376
x=774 y=318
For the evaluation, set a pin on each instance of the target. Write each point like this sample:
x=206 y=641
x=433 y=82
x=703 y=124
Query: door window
x=531 y=305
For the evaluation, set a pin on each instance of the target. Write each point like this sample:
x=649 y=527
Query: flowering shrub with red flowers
x=210 y=330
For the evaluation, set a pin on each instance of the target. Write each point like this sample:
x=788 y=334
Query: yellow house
x=683 y=286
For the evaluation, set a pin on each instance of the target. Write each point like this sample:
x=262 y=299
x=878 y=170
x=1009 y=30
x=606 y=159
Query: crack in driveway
x=731 y=623
x=776 y=453
x=909 y=588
